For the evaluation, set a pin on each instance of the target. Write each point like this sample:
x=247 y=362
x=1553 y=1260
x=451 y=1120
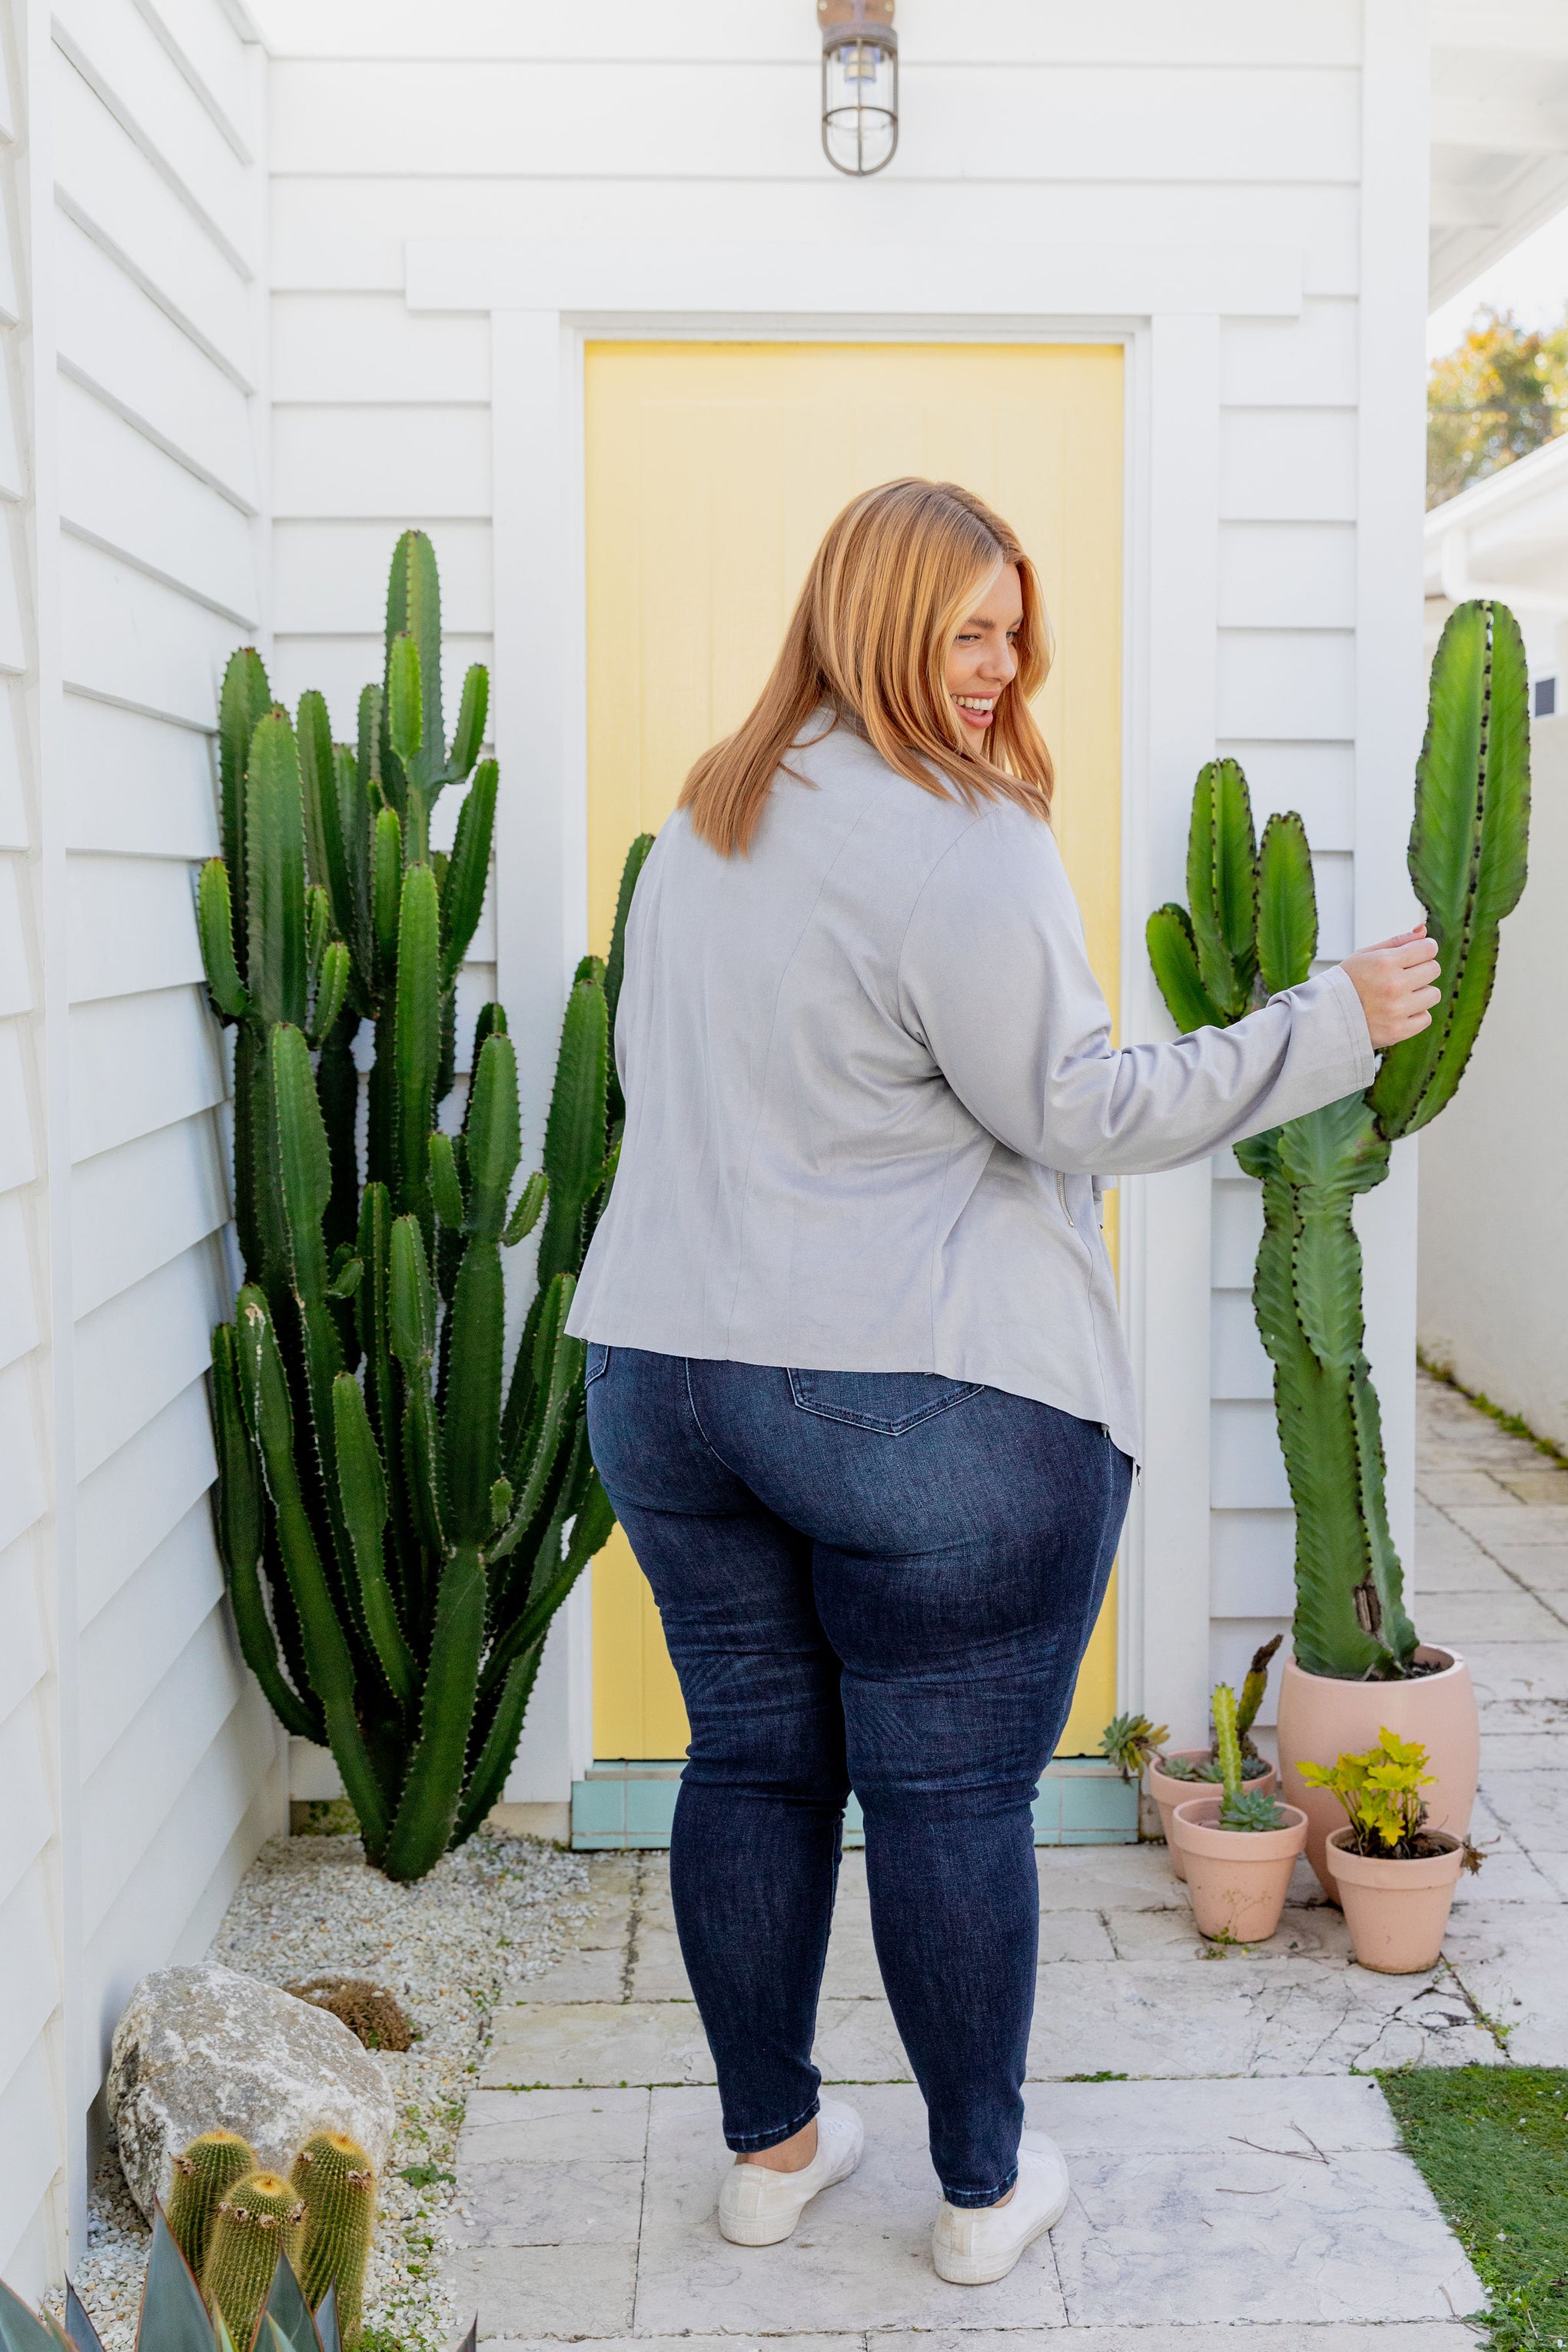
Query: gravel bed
x=486 y=1917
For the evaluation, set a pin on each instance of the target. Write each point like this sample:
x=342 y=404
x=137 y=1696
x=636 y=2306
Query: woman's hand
x=1398 y=984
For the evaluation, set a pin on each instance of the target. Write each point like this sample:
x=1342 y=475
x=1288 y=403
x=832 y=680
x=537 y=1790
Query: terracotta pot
x=1237 y=1878
x=1168 y=1792
x=1396 y=1911
x=1321 y=1719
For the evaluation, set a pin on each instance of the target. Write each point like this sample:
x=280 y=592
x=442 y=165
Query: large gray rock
x=200 y=2047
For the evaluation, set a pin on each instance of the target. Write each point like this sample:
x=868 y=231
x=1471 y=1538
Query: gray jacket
x=870 y=1082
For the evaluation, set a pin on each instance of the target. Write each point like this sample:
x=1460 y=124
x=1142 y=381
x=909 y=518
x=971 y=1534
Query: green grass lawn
x=1492 y=2142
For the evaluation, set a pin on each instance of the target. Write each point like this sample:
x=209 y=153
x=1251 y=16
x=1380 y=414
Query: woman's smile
x=984 y=653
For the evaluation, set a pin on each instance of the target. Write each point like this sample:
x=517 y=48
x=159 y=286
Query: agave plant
x=1249 y=927
x=398 y=1523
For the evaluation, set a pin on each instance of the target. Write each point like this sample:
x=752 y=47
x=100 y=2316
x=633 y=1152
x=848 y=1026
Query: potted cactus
x=398 y=1521
x=1249 y=929
x=1237 y=1848
x=1395 y=1875
x=1171 y=1776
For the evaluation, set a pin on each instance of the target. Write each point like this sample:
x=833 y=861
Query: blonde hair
x=897 y=575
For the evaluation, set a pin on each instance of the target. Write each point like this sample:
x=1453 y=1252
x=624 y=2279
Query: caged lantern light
x=859 y=84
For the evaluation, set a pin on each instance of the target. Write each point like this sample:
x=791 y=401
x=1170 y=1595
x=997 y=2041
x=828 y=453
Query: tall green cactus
x=1249 y=929
x=398 y=1522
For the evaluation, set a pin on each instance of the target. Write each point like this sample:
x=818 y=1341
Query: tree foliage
x=1502 y=394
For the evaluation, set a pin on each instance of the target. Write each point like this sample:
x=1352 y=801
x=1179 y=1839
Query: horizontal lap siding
x=1236 y=126
x=32 y=2028
x=159 y=236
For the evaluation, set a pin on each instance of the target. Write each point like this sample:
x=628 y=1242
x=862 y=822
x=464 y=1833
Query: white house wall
x=141 y=1731
x=1042 y=124
x=32 y=2033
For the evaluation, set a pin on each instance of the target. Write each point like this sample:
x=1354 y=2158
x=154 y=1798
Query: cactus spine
x=398 y=1519
x=337 y=2181
x=260 y=2219
x=1249 y=929
x=204 y=2174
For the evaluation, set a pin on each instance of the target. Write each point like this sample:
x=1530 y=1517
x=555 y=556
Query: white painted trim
x=1390 y=666
x=1172 y=616
x=588 y=278
x=1165 y=1604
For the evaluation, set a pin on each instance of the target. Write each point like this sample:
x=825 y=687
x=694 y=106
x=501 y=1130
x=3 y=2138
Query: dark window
x=1546 y=698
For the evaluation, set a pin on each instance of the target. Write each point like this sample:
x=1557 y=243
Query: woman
x=857 y=1388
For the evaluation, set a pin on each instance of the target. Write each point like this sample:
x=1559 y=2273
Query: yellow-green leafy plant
x=204 y=2172
x=1131 y=1742
x=1240 y=1808
x=337 y=2181
x=1249 y=929
x=259 y=2223
x=399 y=1522
x=1380 y=1793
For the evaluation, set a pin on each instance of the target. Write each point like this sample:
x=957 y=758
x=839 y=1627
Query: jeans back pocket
x=890 y=1404
x=598 y=1363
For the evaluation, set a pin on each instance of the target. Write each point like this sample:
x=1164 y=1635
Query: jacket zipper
x=1062 y=1197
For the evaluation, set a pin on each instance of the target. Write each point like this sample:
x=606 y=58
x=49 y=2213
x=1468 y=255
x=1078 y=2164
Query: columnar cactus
x=396 y=1537
x=1250 y=928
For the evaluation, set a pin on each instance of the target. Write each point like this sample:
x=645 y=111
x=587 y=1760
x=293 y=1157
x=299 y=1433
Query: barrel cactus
x=1249 y=927
x=337 y=2181
x=204 y=2172
x=260 y=2223
x=174 y=2312
x=397 y=1522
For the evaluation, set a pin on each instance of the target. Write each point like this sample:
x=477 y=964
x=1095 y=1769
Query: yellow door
x=712 y=471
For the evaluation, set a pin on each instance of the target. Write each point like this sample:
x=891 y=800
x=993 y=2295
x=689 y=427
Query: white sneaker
x=757 y=2206
x=973 y=2244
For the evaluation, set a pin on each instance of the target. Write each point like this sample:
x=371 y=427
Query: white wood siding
x=33 y=1644
x=161 y=256
x=142 y=1768
x=1216 y=124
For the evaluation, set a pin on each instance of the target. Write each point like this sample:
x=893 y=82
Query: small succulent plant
x=1132 y=1742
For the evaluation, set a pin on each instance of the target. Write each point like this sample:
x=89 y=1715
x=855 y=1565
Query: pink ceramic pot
x=1321 y=1719
x=1397 y=1912
x=1236 y=1879
x=1168 y=1792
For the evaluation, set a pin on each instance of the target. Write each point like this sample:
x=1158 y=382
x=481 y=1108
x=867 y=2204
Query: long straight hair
x=897 y=575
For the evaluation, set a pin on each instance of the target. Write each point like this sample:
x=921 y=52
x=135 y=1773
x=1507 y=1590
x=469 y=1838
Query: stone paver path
x=1237 y=2168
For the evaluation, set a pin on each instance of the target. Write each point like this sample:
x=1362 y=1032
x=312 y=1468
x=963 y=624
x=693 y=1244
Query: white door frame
x=545 y=300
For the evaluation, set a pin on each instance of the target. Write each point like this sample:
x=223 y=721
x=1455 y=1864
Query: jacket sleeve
x=994 y=976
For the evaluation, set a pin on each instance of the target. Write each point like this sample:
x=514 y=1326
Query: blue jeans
x=876 y=1580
